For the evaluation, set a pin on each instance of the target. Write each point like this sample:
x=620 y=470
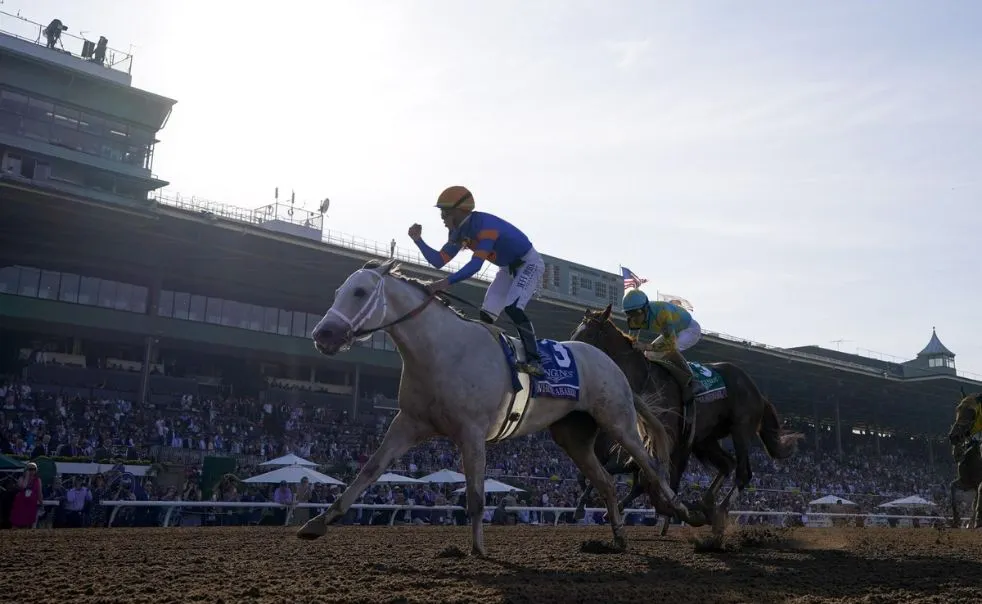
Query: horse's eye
x=359 y=293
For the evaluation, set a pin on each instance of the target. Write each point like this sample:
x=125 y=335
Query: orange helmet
x=456 y=197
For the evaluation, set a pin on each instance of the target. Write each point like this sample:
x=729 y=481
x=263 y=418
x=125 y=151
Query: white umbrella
x=831 y=500
x=390 y=478
x=493 y=486
x=289 y=460
x=292 y=475
x=444 y=476
x=907 y=502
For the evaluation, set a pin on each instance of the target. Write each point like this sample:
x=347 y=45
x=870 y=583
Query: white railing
x=815 y=519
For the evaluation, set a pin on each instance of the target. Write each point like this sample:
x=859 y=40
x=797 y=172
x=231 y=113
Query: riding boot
x=533 y=362
x=694 y=387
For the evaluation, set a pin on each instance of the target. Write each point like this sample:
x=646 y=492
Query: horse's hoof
x=312 y=529
x=479 y=552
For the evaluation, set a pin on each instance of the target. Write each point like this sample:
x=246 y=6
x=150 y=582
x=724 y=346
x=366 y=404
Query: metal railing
x=29 y=31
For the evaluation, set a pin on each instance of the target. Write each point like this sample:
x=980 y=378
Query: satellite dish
x=325 y=205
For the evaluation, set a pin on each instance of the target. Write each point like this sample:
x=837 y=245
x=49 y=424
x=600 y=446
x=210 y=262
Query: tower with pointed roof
x=934 y=359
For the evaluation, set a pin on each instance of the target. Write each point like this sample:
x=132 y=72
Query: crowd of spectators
x=40 y=420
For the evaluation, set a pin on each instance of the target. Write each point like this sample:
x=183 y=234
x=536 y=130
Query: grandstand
x=191 y=317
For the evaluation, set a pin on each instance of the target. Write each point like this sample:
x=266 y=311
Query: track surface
x=527 y=564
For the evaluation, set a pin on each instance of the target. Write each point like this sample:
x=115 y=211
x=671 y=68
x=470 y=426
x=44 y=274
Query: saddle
x=682 y=376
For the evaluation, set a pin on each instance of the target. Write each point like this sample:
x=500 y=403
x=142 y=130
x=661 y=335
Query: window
x=165 y=306
x=601 y=289
x=88 y=291
x=285 y=323
x=256 y=317
x=270 y=319
x=213 y=311
x=574 y=285
x=27 y=285
x=13 y=102
x=92 y=124
x=124 y=293
x=312 y=321
x=48 y=288
x=196 y=310
x=107 y=293
x=182 y=303
x=40 y=110
x=66 y=117
x=8 y=279
x=68 y=292
x=299 y=324
x=138 y=298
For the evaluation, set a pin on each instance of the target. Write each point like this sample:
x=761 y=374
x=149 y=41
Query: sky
x=801 y=172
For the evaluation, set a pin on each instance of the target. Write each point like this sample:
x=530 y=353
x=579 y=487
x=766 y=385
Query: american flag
x=630 y=279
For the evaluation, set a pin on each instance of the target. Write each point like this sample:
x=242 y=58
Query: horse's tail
x=777 y=444
x=652 y=431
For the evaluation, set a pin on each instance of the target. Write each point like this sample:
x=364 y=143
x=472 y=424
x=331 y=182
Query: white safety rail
x=813 y=519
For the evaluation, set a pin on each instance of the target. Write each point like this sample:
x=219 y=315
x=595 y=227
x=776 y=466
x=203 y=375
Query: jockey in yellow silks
x=675 y=328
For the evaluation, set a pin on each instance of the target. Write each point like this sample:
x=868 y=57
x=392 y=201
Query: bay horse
x=457 y=381
x=742 y=414
x=968 y=456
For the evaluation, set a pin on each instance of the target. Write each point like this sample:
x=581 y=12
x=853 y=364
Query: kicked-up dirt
x=525 y=564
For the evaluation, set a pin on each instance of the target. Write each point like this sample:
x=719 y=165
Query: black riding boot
x=533 y=362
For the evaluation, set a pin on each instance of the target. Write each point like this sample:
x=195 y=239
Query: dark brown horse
x=968 y=456
x=742 y=414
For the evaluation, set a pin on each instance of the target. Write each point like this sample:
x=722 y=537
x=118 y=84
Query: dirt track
x=528 y=564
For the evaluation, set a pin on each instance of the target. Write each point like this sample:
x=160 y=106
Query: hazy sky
x=801 y=172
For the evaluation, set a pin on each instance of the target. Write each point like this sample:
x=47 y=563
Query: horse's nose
x=322 y=334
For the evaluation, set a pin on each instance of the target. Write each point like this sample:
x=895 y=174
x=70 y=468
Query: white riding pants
x=688 y=337
x=506 y=290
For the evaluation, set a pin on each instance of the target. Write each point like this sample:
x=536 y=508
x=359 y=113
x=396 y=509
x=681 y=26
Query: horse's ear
x=606 y=314
x=388 y=266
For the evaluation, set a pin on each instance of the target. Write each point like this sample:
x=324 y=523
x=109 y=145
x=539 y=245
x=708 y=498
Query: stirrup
x=531 y=368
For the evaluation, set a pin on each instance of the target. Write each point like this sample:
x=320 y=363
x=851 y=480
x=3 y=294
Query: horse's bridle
x=377 y=296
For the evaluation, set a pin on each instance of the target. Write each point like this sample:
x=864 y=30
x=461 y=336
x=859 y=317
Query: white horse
x=456 y=382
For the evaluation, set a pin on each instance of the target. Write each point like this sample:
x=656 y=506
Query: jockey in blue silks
x=499 y=242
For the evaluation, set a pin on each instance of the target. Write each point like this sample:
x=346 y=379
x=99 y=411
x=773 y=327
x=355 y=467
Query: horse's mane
x=393 y=270
x=627 y=337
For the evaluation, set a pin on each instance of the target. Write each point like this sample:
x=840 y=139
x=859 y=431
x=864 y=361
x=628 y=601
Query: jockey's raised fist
x=416 y=231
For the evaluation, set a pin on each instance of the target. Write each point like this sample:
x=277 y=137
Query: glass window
x=8 y=279
x=116 y=130
x=138 y=298
x=88 y=290
x=165 y=306
x=299 y=324
x=68 y=292
x=107 y=293
x=92 y=124
x=270 y=320
x=255 y=317
x=312 y=321
x=48 y=289
x=213 y=311
x=196 y=311
x=13 y=102
x=66 y=117
x=235 y=314
x=182 y=303
x=37 y=130
x=27 y=285
x=124 y=293
x=285 y=322
x=40 y=110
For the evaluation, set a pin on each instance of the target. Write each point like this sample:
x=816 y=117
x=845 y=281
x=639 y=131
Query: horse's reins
x=368 y=309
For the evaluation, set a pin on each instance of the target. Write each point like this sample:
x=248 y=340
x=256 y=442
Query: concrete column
x=838 y=428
